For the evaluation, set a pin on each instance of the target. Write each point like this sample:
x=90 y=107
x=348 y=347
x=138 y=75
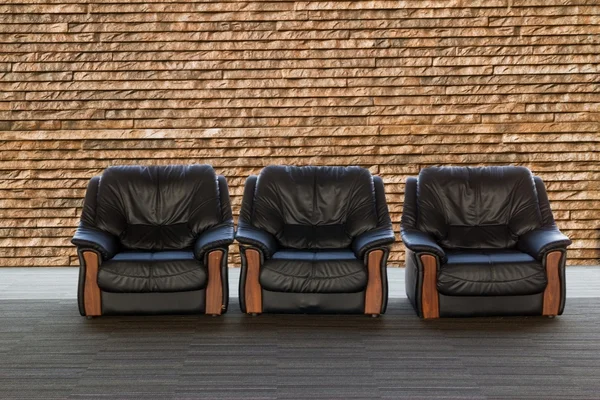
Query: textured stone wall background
x=390 y=85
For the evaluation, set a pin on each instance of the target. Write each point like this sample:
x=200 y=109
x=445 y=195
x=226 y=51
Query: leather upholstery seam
x=327 y=277
x=151 y=275
x=505 y=281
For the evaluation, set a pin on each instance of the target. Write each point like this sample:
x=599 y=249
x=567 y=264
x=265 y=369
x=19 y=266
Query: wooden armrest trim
x=253 y=291
x=552 y=291
x=374 y=292
x=429 y=294
x=214 y=288
x=92 y=298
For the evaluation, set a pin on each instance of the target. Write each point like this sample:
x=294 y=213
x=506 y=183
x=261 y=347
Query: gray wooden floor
x=47 y=351
x=61 y=283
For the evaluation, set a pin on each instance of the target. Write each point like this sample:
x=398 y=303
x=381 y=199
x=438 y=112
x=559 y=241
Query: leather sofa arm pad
x=102 y=242
x=262 y=240
x=421 y=242
x=376 y=238
x=538 y=242
x=219 y=236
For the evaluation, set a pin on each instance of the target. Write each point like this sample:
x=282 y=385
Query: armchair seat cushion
x=321 y=271
x=144 y=272
x=491 y=273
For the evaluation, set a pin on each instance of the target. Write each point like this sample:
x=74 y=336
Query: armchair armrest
x=262 y=240
x=216 y=237
x=103 y=242
x=540 y=241
x=421 y=242
x=376 y=238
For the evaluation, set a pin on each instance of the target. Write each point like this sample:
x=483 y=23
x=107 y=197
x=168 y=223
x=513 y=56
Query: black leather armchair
x=154 y=240
x=314 y=240
x=482 y=241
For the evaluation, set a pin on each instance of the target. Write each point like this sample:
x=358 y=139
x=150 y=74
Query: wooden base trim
x=214 y=289
x=429 y=295
x=552 y=292
x=374 y=292
x=92 y=299
x=253 y=291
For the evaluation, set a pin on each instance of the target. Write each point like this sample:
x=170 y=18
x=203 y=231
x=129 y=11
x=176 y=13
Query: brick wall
x=390 y=85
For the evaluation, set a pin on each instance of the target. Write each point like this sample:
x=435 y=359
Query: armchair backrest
x=486 y=207
x=314 y=207
x=156 y=207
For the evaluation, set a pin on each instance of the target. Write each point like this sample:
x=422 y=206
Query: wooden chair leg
x=214 y=289
x=552 y=292
x=91 y=292
x=253 y=291
x=374 y=292
x=429 y=294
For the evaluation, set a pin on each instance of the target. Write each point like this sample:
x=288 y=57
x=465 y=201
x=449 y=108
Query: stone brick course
x=393 y=86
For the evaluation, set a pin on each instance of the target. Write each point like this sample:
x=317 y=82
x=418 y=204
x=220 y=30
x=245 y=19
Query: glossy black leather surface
x=539 y=242
x=373 y=239
x=153 y=227
x=217 y=237
x=88 y=214
x=413 y=280
x=488 y=207
x=545 y=210
x=87 y=234
x=248 y=199
x=246 y=233
x=314 y=211
x=145 y=272
x=314 y=207
x=325 y=271
x=422 y=242
x=262 y=240
x=103 y=242
x=158 y=207
x=384 y=280
x=81 y=282
x=192 y=302
x=313 y=303
x=226 y=213
x=510 y=277
x=412 y=238
x=483 y=306
x=383 y=235
x=491 y=273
